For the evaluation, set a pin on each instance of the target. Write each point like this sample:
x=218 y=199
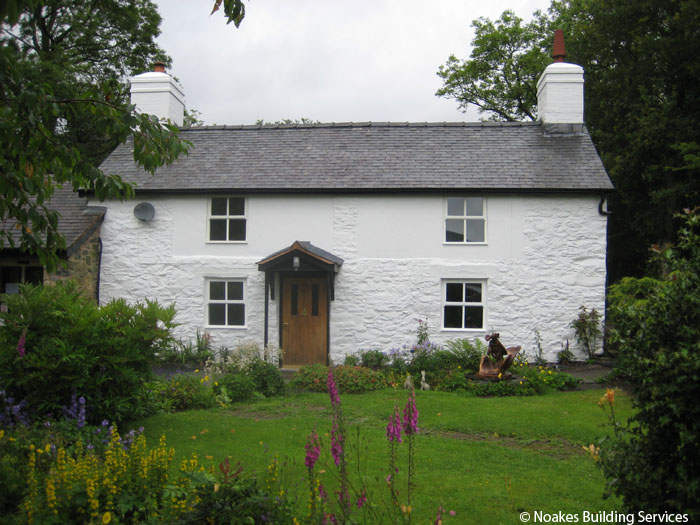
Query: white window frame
x=226 y=301
x=465 y=218
x=483 y=304
x=226 y=218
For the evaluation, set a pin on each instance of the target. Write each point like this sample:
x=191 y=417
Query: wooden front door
x=304 y=321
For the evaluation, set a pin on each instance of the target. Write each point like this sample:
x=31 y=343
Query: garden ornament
x=423 y=384
x=497 y=360
x=408 y=384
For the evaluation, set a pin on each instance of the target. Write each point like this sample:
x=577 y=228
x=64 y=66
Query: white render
x=560 y=94
x=544 y=258
x=158 y=94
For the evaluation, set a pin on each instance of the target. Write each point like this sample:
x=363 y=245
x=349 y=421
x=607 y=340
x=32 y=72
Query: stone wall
x=82 y=266
x=545 y=257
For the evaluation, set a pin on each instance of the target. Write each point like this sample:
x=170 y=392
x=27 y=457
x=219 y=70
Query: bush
x=349 y=379
x=187 y=391
x=188 y=352
x=467 y=354
x=266 y=378
x=653 y=462
x=238 y=501
x=54 y=344
x=374 y=359
x=237 y=387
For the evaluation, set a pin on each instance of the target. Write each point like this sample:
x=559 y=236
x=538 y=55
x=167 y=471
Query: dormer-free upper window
x=227 y=219
x=465 y=220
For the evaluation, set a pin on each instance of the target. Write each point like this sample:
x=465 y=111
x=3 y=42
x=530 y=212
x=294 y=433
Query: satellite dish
x=144 y=211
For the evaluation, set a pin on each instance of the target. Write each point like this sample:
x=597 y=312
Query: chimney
x=560 y=93
x=158 y=94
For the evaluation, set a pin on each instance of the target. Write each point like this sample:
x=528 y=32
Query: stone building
x=325 y=239
x=80 y=261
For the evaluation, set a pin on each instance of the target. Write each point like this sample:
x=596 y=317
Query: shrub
x=350 y=379
x=311 y=378
x=237 y=386
x=266 y=378
x=238 y=501
x=54 y=343
x=374 y=359
x=188 y=352
x=653 y=463
x=467 y=354
x=187 y=391
x=587 y=328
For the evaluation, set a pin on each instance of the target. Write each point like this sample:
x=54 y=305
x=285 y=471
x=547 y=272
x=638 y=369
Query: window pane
x=217 y=290
x=217 y=314
x=473 y=316
x=453 y=317
x=34 y=274
x=475 y=206
x=314 y=299
x=473 y=292
x=475 y=230
x=454 y=292
x=235 y=291
x=218 y=206
x=236 y=206
x=454 y=230
x=217 y=230
x=455 y=206
x=295 y=299
x=236 y=230
x=236 y=314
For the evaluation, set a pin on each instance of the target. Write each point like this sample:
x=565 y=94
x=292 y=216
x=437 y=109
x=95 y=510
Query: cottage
x=328 y=238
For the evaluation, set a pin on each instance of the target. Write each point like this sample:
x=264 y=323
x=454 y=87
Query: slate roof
x=306 y=247
x=369 y=157
x=76 y=220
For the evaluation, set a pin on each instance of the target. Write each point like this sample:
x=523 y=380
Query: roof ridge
x=369 y=124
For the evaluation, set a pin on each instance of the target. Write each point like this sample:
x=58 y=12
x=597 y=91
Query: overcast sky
x=327 y=60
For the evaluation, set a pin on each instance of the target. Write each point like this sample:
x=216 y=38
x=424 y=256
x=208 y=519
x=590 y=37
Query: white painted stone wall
x=545 y=257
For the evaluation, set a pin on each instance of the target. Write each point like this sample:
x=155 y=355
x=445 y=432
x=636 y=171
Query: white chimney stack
x=560 y=93
x=158 y=94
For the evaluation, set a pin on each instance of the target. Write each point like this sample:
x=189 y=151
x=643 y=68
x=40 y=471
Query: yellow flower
x=106 y=517
x=216 y=383
x=521 y=382
x=2 y=434
x=499 y=375
x=610 y=395
x=196 y=370
x=206 y=378
x=550 y=372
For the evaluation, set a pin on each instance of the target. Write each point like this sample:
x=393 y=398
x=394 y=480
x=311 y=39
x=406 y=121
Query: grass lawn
x=488 y=459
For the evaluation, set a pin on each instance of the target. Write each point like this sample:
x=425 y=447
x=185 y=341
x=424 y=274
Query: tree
x=642 y=63
x=500 y=78
x=652 y=463
x=64 y=107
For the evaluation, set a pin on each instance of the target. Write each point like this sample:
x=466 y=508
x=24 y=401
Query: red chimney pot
x=159 y=67
x=559 y=52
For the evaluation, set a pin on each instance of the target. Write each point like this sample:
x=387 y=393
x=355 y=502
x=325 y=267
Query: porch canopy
x=301 y=258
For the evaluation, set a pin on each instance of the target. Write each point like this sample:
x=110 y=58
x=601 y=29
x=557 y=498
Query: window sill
x=224 y=327
x=226 y=242
x=465 y=243
x=468 y=330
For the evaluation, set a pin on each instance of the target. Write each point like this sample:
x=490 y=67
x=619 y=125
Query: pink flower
x=410 y=415
x=362 y=499
x=336 y=444
x=332 y=388
x=20 y=345
x=313 y=450
x=393 y=429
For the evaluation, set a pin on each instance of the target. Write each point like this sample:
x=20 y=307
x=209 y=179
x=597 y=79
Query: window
x=12 y=276
x=465 y=221
x=225 y=303
x=464 y=305
x=227 y=219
